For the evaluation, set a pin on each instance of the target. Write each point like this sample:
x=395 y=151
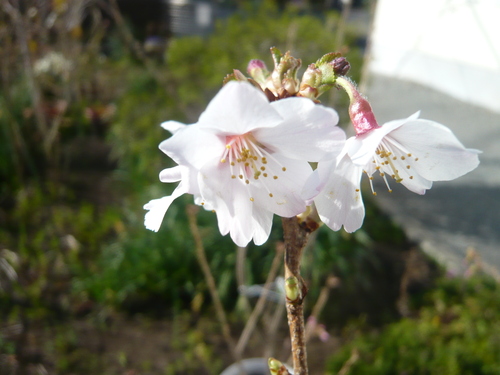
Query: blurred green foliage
x=456 y=332
x=72 y=240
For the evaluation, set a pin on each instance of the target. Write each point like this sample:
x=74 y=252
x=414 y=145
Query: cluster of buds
x=322 y=75
x=282 y=82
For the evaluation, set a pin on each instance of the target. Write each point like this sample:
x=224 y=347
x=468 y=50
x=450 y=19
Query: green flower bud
x=292 y=289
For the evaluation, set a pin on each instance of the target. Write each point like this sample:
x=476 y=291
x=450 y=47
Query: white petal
x=242 y=225
x=361 y=148
x=158 y=207
x=280 y=192
x=171 y=174
x=173 y=126
x=239 y=108
x=262 y=222
x=441 y=156
x=308 y=132
x=340 y=203
x=192 y=146
x=230 y=200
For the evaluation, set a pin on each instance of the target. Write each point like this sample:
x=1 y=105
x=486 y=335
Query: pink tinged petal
x=308 y=132
x=191 y=146
x=361 y=148
x=158 y=207
x=238 y=108
x=436 y=154
x=340 y=203
x=173 y=126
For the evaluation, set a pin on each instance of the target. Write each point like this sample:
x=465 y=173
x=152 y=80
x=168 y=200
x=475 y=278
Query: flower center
x=249 y=161
x=387 y=160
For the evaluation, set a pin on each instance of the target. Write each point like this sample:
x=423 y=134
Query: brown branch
x=295 y=236
x=203 y=262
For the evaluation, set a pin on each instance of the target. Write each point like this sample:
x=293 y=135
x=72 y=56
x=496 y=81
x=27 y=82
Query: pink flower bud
x=361 y=114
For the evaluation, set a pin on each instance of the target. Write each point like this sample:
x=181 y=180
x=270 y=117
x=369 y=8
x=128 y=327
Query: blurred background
x=86 y=289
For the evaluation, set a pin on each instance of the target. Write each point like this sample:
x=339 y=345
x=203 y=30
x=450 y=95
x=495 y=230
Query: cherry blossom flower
x=247 y=159
x=414 y=152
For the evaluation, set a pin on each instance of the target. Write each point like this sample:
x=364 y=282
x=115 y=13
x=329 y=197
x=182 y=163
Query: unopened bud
x=360 y=111
x=340 y=66
x=292 y=289
x=284 y=75
x=239 y=75
x=258 y=71
x=276 y=367
x=312 y=76
x=311 y=80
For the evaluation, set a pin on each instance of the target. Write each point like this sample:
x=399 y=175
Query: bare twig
x=20 y=31
x=331 y=282
x=241 y=255
x=351 y=361
x=259 y=307
x=296 y=236
x=202 y=261
x=273 y=329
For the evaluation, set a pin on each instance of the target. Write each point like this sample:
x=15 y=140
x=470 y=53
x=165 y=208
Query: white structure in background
x=191 y=17
x=450 y=45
